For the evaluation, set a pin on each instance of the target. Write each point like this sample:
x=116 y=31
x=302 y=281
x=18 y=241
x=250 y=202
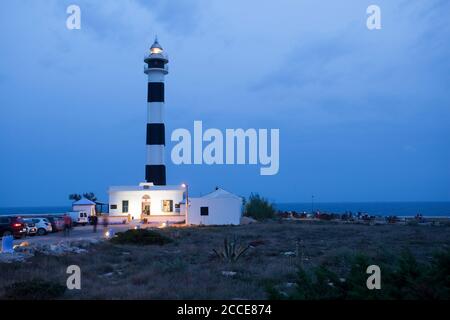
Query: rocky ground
x=188 y=267
x=26 y=250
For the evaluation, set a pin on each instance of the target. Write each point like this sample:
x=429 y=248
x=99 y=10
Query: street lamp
x=184 y=185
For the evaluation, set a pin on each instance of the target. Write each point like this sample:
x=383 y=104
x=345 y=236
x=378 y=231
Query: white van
x=78 y=217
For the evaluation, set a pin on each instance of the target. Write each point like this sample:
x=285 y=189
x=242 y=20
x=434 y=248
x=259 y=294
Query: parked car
x=14 y=226
x=43 y=226
x=79 y=217
x=57 y=223
x=31 y=227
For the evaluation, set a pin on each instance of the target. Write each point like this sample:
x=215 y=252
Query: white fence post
x=7 y=244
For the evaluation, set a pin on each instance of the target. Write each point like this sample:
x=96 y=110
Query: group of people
x=93 y=220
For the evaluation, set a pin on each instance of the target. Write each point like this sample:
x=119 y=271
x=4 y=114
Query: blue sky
x=363 y=115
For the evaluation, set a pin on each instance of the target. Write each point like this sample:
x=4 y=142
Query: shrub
x=231 y=250
x=34 y=290
x=140 y=237
x=440 y=274
x=259 y=208
x=405 y=279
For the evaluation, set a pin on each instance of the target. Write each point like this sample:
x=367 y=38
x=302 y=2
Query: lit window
x=167 y=205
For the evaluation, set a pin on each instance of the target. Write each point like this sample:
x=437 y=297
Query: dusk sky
x=364 y=115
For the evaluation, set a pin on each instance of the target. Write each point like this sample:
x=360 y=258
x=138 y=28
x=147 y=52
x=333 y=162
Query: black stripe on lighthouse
x=156 y=174
x=155 y=92
x=156 y=134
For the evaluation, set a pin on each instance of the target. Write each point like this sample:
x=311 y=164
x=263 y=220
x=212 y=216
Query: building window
x=204 y=211
x=167 y=205
x=125 y=206
x=113 y=206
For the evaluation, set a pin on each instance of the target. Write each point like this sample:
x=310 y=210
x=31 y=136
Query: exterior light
x=109 y=233
x=185 y=186
x=155 y=50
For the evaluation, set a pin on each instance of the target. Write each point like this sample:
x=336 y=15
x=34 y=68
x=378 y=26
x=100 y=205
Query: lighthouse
x=156 y=69
x=152 y=201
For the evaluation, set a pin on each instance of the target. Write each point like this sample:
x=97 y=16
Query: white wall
x=221 y=211
x=135 y=201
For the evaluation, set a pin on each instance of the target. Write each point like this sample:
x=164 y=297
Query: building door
x=145 y=208
x=146 y=205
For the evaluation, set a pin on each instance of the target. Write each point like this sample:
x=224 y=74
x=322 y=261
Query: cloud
x=310 y=68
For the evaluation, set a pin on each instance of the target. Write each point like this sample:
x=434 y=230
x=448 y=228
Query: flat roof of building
x=145 y=188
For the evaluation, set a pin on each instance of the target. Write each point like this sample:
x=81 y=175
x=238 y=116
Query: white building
x=84 y=205
x=147 y=201
x=219 y=207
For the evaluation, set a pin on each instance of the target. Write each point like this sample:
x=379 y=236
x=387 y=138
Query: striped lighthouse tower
x=156 y=69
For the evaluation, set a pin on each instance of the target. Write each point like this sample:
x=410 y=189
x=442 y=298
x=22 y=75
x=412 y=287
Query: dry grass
x=188 y=269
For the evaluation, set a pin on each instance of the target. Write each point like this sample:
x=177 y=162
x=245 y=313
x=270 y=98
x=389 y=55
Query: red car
x=14 y=226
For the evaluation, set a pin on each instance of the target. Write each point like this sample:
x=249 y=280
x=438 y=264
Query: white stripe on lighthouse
x=155 y=112
x=155 y=154
x=156 y=76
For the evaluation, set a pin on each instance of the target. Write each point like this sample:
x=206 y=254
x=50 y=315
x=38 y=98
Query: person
x=95 y=222
x=67 y=225
x=105 y=222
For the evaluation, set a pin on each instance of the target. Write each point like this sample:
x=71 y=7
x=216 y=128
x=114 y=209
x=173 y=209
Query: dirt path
x=77 y=233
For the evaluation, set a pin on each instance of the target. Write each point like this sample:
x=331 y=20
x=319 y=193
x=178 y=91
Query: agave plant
x=231 y=251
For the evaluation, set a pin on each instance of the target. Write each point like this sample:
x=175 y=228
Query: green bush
x=405 y=279
x=34 y=290
x=259 y=208
x=140 y=237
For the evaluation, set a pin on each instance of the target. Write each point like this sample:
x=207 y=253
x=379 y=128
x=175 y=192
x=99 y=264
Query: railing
x=166 y=68
x=166 y=56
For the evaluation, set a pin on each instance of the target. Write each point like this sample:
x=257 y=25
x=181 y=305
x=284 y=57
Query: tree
x=90 y=196
x=74 y=197
x=259 y=208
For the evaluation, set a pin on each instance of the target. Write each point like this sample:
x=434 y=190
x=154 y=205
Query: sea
x=441 y=209
x=371 y=208
x=33 y=210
